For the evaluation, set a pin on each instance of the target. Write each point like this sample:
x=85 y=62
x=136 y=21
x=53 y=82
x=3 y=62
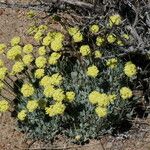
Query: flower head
x=54 y=58
x=4 y=105
x=99 y=40
x=94 y=28
x=27 y=59
x=130 y=69
x=114 y=20
x=125 y=93
x=56 y=45
x=3 y=72
x=42 y=51
x=15 y=41
x=112 y=62
x=97 y=54
x=92 y=71
x=39 y=73
x=58 y=95
x=111 y=38
x=22 y=115
x=17 y=67
x=2 y=48
x=93 y=97
x=28 y=48
x=101 y=111
x=85 y=50
x=40 y=62
x=27 y=90
x=70 y=95
x=32 y=105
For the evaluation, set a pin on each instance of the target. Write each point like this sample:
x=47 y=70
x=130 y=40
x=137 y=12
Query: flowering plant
x=70 y=83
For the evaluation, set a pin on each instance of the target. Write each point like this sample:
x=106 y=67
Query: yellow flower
x=2 y=48
x=85 y=50
x=56 y=79
x=59 y=36
x=42 y=28
x=40 y=62
x=27 y=90
x=42 y=51
x=114 y=20
x=22 y=115
x=30 y=14
x=125 y=93
x=92 y=71
x=57 y=109
x=120 y=43
x=15 y=41
x=39 y=73
x=70 y=95
x=27 y=59
x=4 y=105
x=126 y=36
x=46 y=80
x=94 y=28
x=1 y=63
x=73 y=30
x=112 y=97
x=103 y=100
x=58 y=95
x=98 y=54
x=32 y=105
x=3 y=72
x=47 y=40
x=130 y=69
x=54 y=58
x=28 y=48
x=17 y=67
x=1 y=85
x=112 y=63
x=38 y=36
x=48 y=91
x=99 y=40
x=101 y=111
x=32 y=30
x=111 y=38
x=56 y=45
x=77 y=137
x=78 y=37
x=93 y=97
x=14 y=52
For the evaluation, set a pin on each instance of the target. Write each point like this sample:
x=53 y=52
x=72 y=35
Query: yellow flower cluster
x=3 y=72
x=56 y=45
x=47 y=40
x=39 y=73
x=32 y=105
x=15 y=41
x=28 y=48
x=4 y=105
x=53 y=59
x=1 y=63
x=55 y=79
x=101 y=111
x=48 y=91
x=70 y=95
x=76 y=34
x=1 y=85
x=102 y=100
x=22 y=115
x=114 y=20
x=94 y=28
x=2 y=48
x=85 y=50
x=130 y=69
x=112 y=63
x=30 y=14
x=98 y=54
x=27 y=59
x=92 y=71
x=58 y=95
x=27 y=90
x=57 y=109
x=40 y=62
x=125 y=93
x=17 y=67
x=111 y=38
x=38 y=35
x=99 y=40
x=14 y=52
x=42 y=51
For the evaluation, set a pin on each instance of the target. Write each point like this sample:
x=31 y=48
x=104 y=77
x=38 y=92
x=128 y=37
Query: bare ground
x=13 y=23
